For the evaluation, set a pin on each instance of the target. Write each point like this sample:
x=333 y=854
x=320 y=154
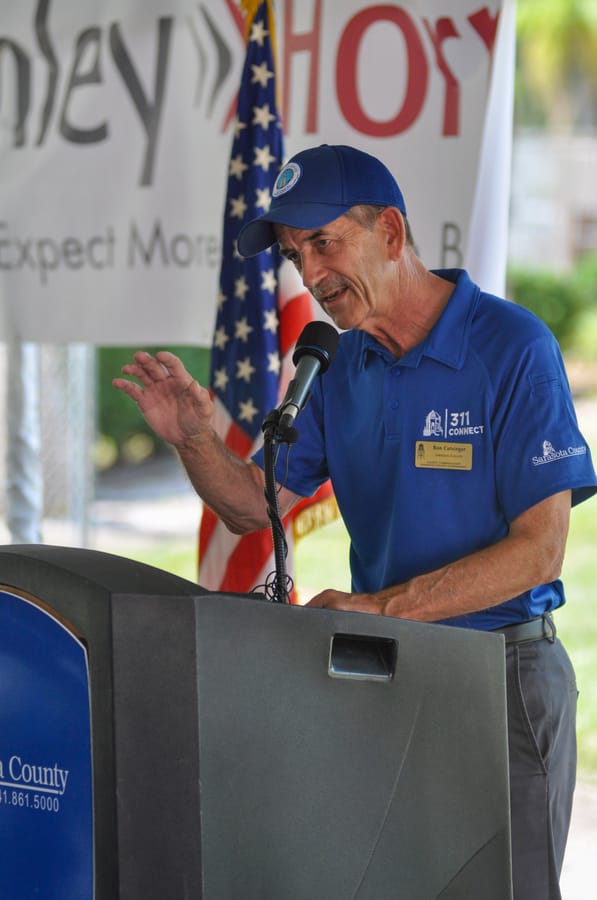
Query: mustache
x=328 y=289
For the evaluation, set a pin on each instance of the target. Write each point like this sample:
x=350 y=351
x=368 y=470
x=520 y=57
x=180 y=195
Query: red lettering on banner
x=346 y=72
x=444 y=30
x=486 y=26
x=240 y=24
x=310 y=42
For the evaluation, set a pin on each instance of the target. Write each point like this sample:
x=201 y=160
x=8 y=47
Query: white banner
x=116 y=121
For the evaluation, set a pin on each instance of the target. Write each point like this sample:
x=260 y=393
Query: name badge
x=443 y=455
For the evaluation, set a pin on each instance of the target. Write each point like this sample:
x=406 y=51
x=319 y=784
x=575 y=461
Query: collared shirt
x=432 y=455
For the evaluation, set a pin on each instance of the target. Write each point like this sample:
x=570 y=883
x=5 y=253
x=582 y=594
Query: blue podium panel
x=46 y=816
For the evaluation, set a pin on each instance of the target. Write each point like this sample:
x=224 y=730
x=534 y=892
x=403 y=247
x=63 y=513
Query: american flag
x=262 y=308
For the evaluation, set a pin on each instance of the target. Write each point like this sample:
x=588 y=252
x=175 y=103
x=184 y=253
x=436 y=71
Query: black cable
x=278 y=585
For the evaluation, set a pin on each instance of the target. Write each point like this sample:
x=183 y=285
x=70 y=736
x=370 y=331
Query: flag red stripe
x=238 y=441
x=209 y=521
x=246 y=561
x=293 y=319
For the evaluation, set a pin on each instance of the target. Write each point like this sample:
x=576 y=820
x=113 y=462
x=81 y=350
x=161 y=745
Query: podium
x=161 y=741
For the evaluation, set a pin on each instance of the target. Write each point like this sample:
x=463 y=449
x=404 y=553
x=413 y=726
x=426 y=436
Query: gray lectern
x=243 y=750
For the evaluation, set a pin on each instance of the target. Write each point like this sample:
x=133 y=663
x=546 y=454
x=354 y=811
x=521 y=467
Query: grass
x=321 y=560
x=178 y=558
x=577 y=626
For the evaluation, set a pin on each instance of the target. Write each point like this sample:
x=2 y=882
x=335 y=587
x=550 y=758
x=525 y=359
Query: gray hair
x=366 y=214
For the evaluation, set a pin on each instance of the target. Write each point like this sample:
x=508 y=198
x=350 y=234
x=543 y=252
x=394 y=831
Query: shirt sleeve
x=539 y=448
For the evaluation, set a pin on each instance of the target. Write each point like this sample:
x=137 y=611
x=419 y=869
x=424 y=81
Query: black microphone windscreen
x=319 y=339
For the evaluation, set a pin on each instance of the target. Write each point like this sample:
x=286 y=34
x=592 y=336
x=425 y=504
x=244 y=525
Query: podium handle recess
x=362 y=657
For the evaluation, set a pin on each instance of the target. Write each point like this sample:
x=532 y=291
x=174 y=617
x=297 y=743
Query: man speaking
x=446 y=425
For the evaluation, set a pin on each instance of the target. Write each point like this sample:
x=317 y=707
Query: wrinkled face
x=345 y=266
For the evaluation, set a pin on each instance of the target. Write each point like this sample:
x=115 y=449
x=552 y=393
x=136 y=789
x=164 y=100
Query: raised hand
x=174 y=405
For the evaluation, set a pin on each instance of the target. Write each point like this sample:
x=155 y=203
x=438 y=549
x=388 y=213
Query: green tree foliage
x=559 y=299
x=556 y=73
x=586 y=279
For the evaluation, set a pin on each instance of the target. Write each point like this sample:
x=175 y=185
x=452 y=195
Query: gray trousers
x=542 y=694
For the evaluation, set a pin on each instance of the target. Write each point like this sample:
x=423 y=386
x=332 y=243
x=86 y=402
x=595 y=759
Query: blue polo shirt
x=433 y=455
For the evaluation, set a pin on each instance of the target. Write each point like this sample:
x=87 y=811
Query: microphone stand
x=273 y=435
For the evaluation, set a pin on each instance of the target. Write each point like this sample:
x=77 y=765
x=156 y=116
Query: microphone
x=314 y=351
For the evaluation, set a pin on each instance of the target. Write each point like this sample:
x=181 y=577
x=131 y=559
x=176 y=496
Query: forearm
x=479 y=581
x=230 y=486
x=531 y=554
x=468 y=585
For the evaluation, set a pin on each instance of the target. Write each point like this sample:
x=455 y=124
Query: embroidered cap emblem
x=287 y=179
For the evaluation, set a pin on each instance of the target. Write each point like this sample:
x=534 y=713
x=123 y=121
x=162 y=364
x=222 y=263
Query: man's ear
x=393 y=229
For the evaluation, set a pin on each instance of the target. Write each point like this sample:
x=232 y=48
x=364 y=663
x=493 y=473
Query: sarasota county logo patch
x=550 y=454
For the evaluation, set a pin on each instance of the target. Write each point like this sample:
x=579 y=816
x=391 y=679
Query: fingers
x=149 y=369
x=146 y=368
x=164 y=372
x=172 y=365
x=168 y=360
x=169 y=398
x=128 y=387
x=331 y=599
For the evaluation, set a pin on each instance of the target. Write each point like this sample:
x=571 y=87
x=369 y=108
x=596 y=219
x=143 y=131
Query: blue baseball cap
x=317 y=186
